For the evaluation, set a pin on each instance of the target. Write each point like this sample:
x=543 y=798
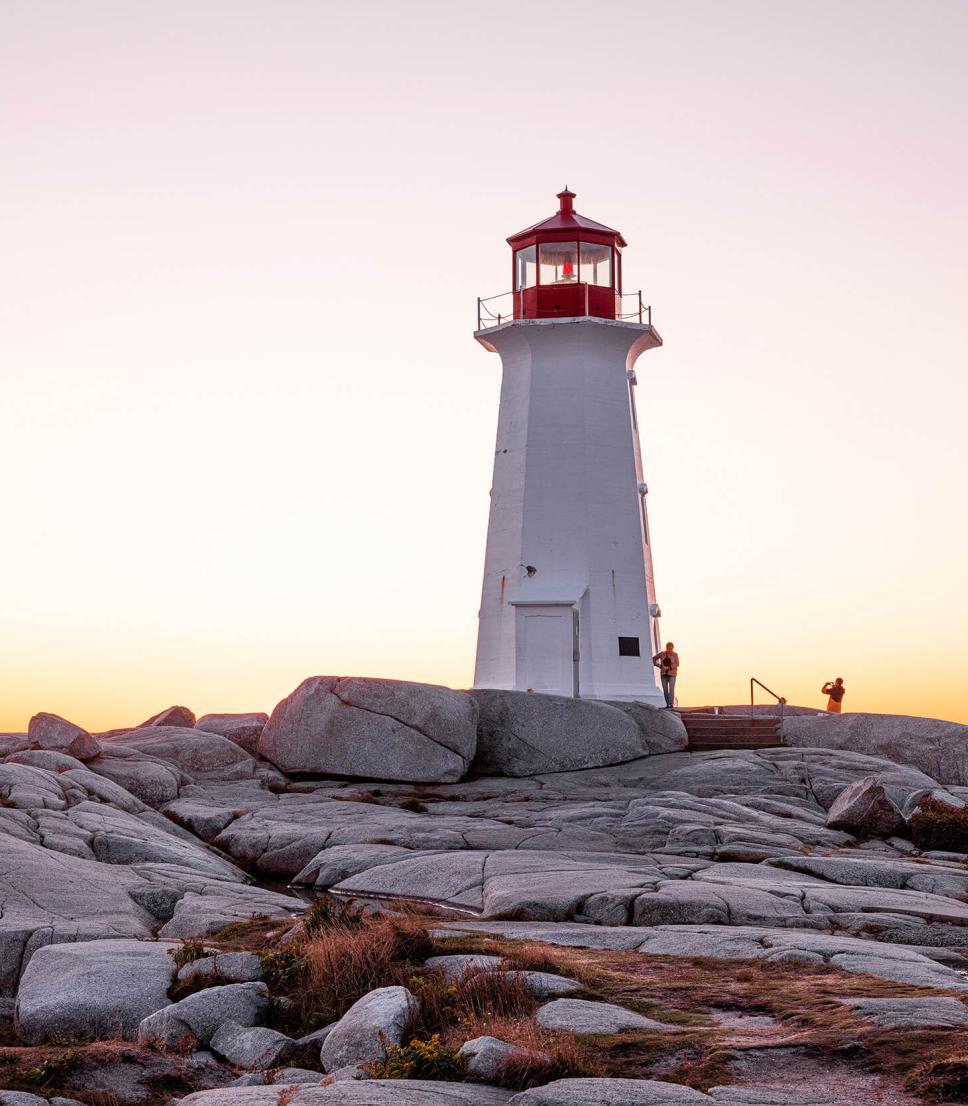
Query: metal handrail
x=779 y=698
x=486 y=317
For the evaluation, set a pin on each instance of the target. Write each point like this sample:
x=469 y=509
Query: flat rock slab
x=915 y=1012
x=576 y=1015
x=92 y=989
x=611 y=1092
x=371 y=1092
x=850 y=954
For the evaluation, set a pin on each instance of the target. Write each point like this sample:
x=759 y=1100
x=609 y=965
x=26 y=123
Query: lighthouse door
x=547 y=649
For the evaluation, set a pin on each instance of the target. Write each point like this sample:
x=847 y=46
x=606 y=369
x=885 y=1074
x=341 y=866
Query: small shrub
x=287 y=1095
x=281 y=970
x=430 y=1059
x=937 y=825
x=188 y=951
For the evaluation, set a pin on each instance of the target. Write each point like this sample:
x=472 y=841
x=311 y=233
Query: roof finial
x=565 y=198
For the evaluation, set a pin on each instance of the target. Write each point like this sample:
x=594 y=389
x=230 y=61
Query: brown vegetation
x=939 y=826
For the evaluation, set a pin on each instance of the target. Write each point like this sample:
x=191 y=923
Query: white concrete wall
x=565 y=501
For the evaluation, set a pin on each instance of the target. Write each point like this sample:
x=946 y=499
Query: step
x=718 y=746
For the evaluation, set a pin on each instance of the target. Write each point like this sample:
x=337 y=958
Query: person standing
x=835 y=692
x=668 y=665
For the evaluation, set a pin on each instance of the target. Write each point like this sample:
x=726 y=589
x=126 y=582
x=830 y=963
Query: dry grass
x=805 y=999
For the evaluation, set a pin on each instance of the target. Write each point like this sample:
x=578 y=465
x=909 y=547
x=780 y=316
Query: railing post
x=478 y=312
x=650 y=314
x=640 y=307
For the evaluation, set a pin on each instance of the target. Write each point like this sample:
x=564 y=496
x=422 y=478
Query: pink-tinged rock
x=864 y=808
x=85 y=747
x=173 y=716
x=50 y=731
x=12 y=743
x=244 y=729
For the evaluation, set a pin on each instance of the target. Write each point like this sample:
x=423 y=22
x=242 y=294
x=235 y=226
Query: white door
x=545 y=650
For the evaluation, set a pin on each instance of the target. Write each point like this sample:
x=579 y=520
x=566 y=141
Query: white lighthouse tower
x=568 y=604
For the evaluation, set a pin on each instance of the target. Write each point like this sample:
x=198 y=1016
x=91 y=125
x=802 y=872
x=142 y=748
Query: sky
x=246 y=435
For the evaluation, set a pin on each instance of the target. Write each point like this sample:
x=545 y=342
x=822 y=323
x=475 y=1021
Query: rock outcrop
x=938 y=748
x=527 y=735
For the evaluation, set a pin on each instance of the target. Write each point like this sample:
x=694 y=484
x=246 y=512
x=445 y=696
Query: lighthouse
x=568 y=605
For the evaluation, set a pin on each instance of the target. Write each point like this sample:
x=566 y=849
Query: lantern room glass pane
x=525 y=268
x=558 y=262
x=596 y=264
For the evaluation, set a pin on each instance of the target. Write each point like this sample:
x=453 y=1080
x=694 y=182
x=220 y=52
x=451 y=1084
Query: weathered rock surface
x=244 y=729
x=580 y=1016
x=95 y=989
x=229 y=967
x=864 y=808
x=850 y=954
x=370 y=1025
x=525 y=735
x=936 y=747
x=611 y=1092
x=376 y=729
x=198 y=1017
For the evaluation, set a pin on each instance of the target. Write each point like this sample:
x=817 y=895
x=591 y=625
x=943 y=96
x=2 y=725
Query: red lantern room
x=567 y=266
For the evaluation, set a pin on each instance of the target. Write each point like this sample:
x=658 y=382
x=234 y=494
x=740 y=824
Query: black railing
x=488 y=317
x=779 y=698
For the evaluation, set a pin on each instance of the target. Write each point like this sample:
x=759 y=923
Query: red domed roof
x=567 y=219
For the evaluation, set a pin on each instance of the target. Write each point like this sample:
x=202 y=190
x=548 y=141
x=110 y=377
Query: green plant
x=48 y=1071
x=282 y=969
x=430 y=1059
x=188 y=951
x=936 y=825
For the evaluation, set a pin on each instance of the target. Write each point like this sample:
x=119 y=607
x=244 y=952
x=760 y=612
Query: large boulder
x=937 y=747
x=368 y=1028
x=375 y=729
x=864 y=808
x=244 y=729
x=92 y=989
x=200 y=1016
x=523 y=734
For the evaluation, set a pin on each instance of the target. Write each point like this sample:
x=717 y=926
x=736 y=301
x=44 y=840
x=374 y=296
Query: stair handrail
x=779 y=698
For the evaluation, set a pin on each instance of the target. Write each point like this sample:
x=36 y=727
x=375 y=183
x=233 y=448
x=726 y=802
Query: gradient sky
x=246 y=435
